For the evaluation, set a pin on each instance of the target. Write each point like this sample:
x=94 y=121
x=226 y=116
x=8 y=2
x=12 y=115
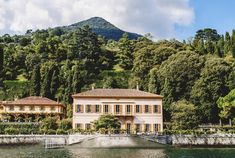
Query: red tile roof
x=116 y=93
x=33 y=100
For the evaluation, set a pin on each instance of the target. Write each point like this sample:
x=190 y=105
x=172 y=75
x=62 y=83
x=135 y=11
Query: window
x=156 y=127
x=146 y=108
x=106 y=108
x=117 y=109
x=78 y=125
x=88 y=126
x=147 y=127
x=137 y=110
x=52 y=108
x=128 y=130
x=11 y=108
x=88 y=108
x=32 y=108
x=156 y=109
x=21 y=108
x=42 y=108
x=128 y=109
x=97 y=108
x=79 y=108
x=137 y=128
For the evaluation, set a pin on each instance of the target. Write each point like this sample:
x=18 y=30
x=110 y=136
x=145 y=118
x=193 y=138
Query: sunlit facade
x=30 y=109
x=138 y=111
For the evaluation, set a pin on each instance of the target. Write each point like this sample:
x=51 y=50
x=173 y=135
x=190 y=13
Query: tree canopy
x=57 y=63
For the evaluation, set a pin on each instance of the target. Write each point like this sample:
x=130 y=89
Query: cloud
x=157 y=17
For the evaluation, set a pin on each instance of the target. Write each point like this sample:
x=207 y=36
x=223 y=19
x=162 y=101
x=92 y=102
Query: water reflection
x=114 y=148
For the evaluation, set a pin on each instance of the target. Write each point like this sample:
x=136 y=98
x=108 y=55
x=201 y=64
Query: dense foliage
x=56 y=64
x=184 y=116
x=107 y=122
x=101 y=27
x=49 y=125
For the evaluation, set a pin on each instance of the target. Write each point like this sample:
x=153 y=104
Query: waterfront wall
x=30 y=139
x=208 y=140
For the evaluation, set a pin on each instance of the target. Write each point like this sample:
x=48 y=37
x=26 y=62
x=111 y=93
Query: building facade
x=30 y=109
x=138 y=111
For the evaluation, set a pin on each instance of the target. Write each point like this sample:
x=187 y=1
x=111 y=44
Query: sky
x=164 y=19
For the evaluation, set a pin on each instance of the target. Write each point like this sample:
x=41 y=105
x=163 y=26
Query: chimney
x=137 y=87
x=93 y=87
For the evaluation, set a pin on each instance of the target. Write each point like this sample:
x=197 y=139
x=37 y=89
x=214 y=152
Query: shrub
x=61 y=131
x=51 y=131
x=11 y=130
x=65 y=124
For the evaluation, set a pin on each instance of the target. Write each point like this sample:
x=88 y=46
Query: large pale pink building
x=138 y=111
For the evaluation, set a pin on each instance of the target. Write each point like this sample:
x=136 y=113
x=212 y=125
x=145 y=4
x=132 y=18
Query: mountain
x=102 y=27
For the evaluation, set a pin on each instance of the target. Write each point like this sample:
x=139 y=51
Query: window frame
x=137 y=111
x=106 y=108
x=146 y=108
x=88 y=106
x=117 y=109
x=97 y=108
x=128 y=107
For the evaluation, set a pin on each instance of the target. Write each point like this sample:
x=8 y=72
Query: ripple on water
x=114 y=148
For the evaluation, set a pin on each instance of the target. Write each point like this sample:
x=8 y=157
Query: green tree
x=226 y=105
x=177 y=75
x=153 y=85
x=54 y=84
x=65 y=124
x=79 y=74
x=49 y=123
x=125 y=53
x=35 y=81
x=107 y=122
x=232 y=49
x=212 y=84
x=184 y=115
x=45 y=86
x=1 y=65
x=227 y=43
x=206 y=38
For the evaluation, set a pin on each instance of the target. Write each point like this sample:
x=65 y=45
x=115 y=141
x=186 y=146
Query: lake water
x=114 y=148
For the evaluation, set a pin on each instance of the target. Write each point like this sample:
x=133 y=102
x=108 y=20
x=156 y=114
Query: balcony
x=123 y=114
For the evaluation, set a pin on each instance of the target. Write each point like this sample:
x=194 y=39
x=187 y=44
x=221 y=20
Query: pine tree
x=35 y=81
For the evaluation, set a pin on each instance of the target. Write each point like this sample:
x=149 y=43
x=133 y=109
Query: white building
x=137 y=110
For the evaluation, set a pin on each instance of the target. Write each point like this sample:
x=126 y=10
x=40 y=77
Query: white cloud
x=157 y=17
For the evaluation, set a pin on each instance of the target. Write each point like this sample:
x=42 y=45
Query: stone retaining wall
x=207 y=140
x=30 y=139
x=33 y=139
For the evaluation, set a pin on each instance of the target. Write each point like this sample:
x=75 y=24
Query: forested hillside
x=58 y=64
x=101 y=27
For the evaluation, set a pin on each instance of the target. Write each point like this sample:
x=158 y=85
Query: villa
x=138 y=111
x=30 y=109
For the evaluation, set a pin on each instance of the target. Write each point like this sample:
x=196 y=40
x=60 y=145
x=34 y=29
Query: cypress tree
x=54 y=84
x=45 y=87
x=1 y=65
x=227 y=43
x=35 y=81
x=233 y=44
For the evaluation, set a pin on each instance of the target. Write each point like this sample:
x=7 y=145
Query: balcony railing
x=123 y=113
